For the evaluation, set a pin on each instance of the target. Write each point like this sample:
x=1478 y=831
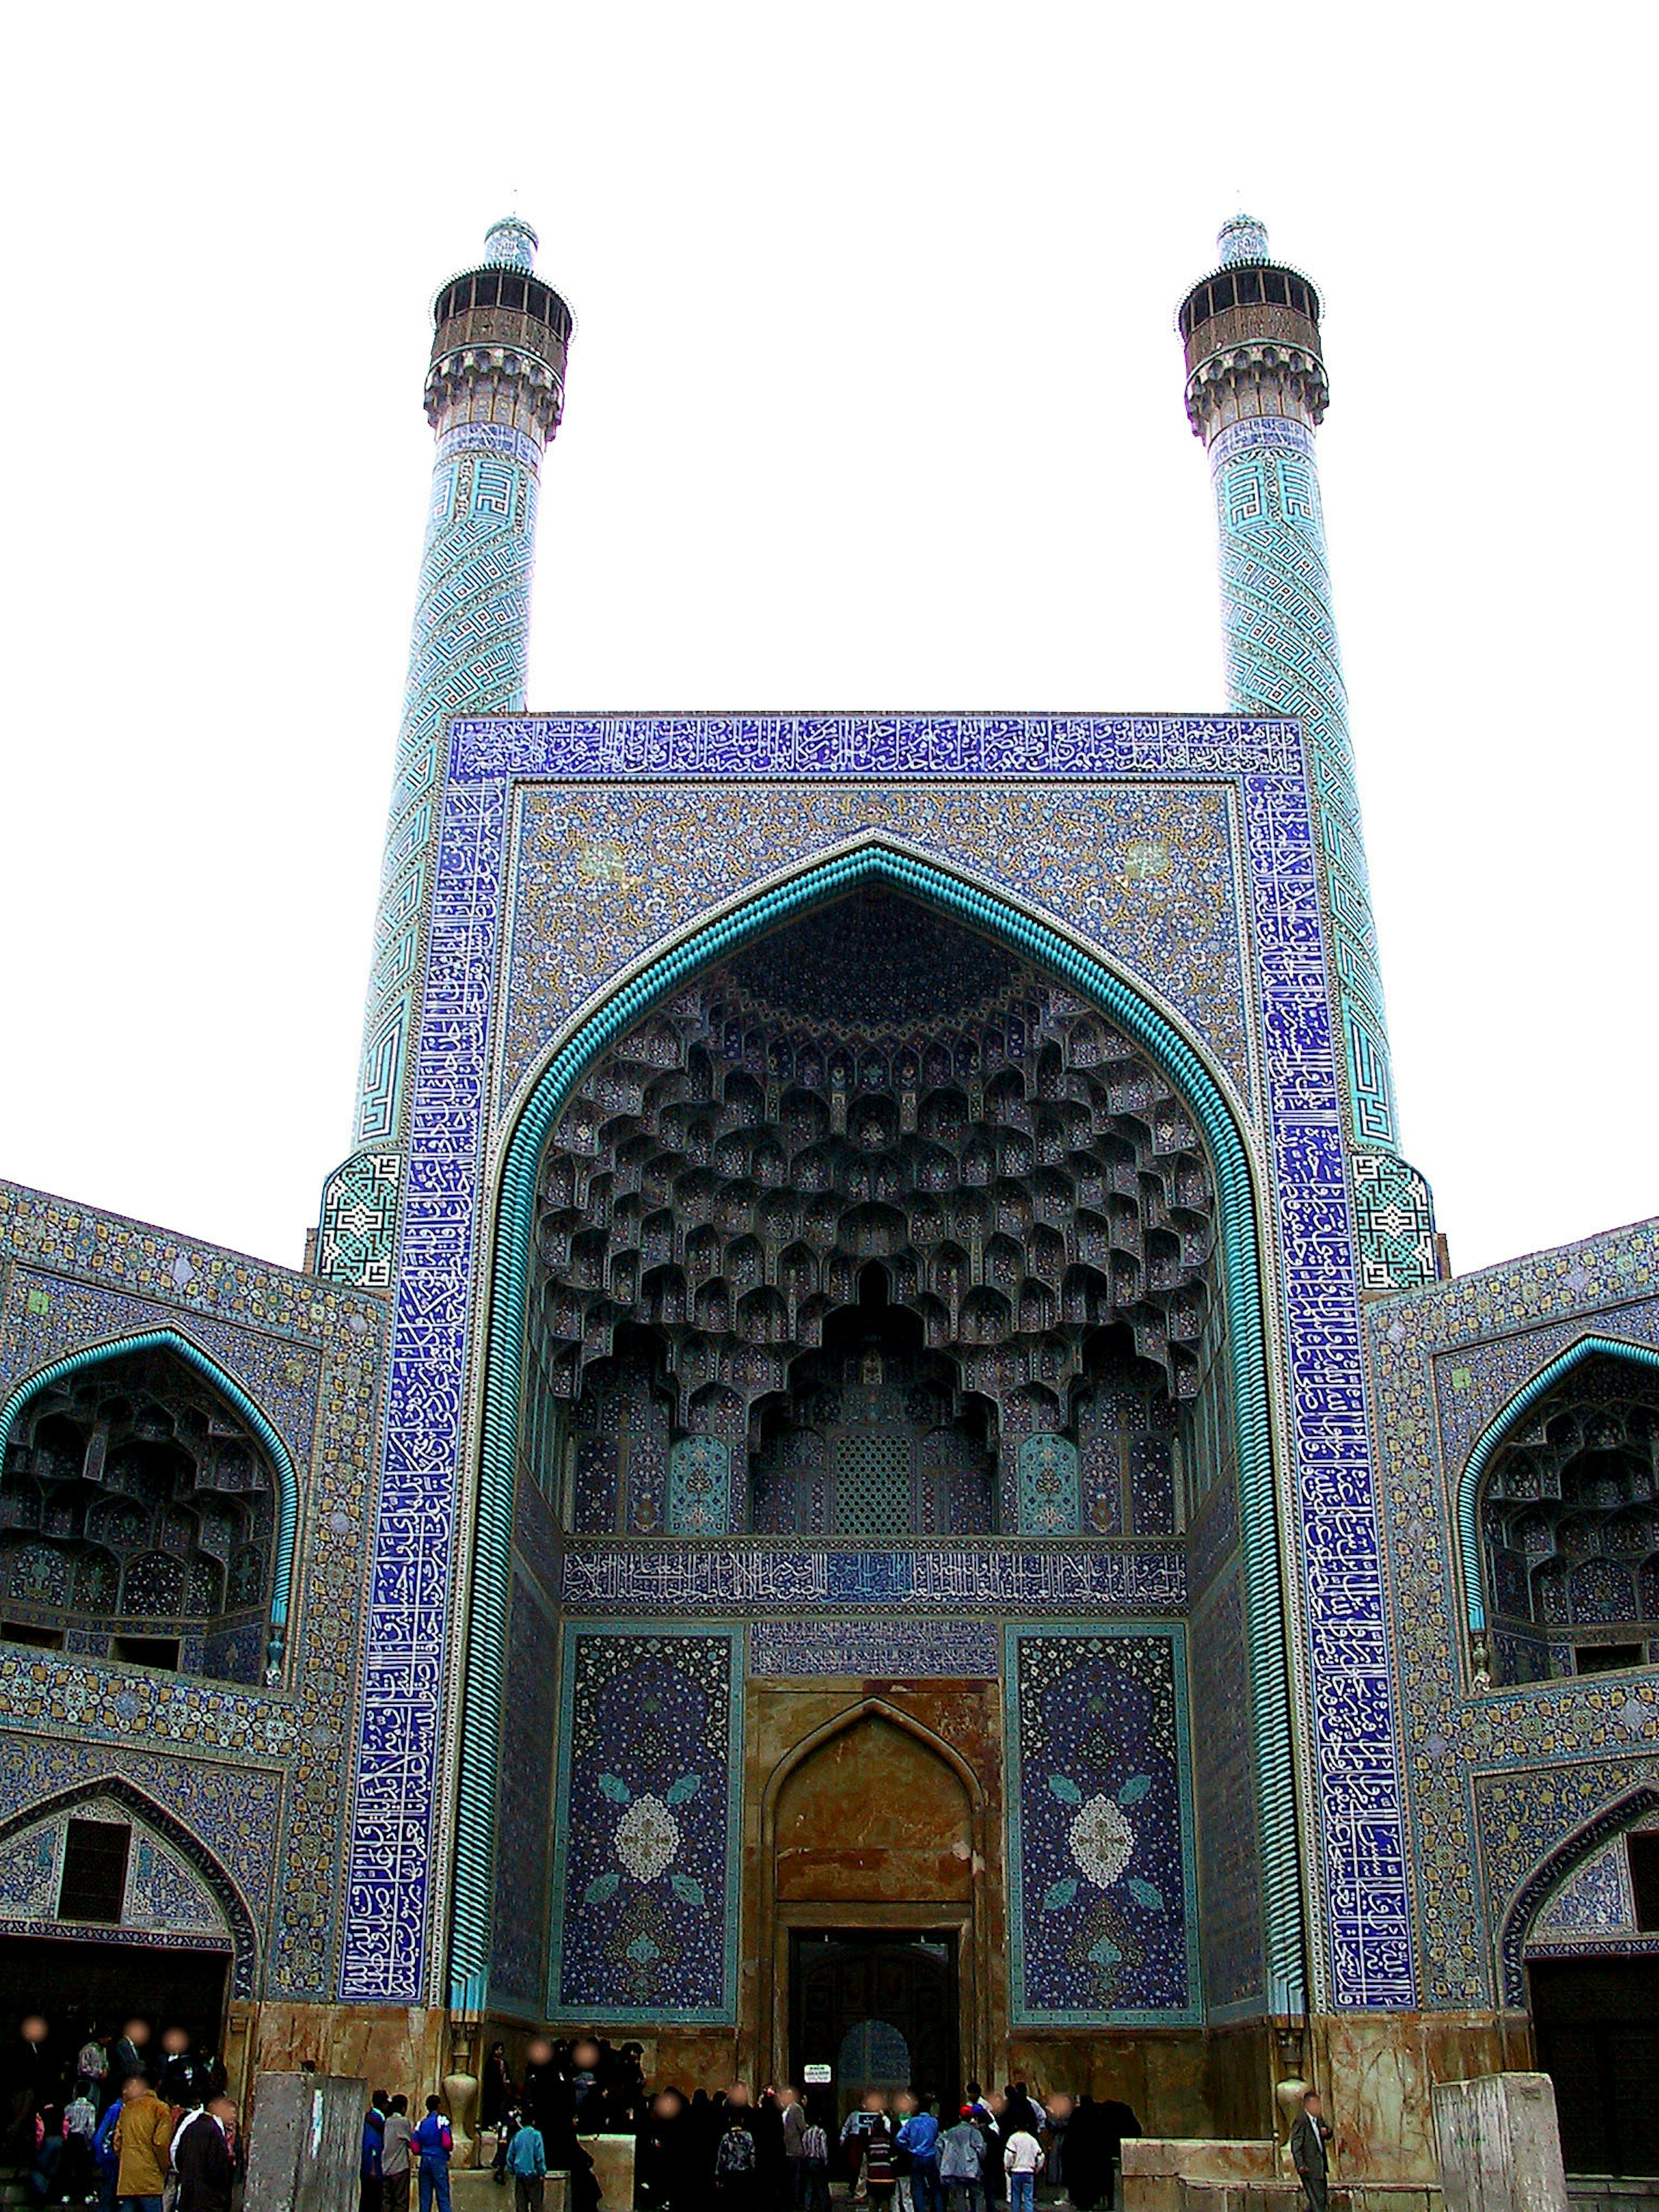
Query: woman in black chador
x=663 y=2157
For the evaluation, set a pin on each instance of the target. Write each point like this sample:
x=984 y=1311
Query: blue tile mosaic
x=1101 y=1901
x=1352 y=1723
x=646 y=1864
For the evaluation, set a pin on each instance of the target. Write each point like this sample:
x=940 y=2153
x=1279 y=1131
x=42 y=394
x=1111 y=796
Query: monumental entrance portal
x=877 y=1269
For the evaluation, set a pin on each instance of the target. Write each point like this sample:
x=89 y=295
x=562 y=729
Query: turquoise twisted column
x=1256 y=393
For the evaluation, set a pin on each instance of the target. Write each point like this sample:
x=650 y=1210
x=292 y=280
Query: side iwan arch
x=1491 y=1439
x=817 y=884
x=167 y=1340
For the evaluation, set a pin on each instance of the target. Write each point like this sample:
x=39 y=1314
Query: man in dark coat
x=201 y=2159
x=1308 y=2140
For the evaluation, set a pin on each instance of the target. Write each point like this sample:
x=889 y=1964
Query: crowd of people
x=121 y=2124
x=900 y=2153
x=732 y=2151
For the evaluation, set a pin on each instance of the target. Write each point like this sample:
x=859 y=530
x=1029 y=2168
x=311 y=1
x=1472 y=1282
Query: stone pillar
x=306 y=2143
x=1498 y=2144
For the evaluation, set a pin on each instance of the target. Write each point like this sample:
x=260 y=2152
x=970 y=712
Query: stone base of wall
x=1611 y=2192
x=1190 y=2082
x=1375 y=2073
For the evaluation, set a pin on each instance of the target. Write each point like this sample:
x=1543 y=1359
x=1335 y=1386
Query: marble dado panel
x=603 y=874
x=668 y=1577
x=310 y=1355
x=1553 y=1754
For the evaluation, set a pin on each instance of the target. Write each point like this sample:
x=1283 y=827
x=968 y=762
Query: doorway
x=76 y=1984
x=1596 y=2025
x=879 y=2007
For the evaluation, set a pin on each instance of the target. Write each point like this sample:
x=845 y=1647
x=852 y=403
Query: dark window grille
x=94 y=1882
x=1643 y=1852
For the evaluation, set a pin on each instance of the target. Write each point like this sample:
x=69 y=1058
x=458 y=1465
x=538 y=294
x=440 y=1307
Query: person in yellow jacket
x=143 y=2137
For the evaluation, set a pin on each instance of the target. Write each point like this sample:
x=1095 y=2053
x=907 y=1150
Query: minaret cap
x=511 y=244
x=1242 y=239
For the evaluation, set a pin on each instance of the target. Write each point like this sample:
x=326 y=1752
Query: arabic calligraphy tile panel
x=1101 y=1904
x=645 y=1867
x=880 y=1650
x=737 y=1579
x=1355 y=1724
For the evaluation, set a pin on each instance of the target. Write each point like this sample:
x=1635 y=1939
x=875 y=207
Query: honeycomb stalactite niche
x=1570 y=1515
x=874 y=1088
x=138 y=1509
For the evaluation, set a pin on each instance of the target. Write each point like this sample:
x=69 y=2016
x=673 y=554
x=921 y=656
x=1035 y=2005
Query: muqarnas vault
x=875 y=1462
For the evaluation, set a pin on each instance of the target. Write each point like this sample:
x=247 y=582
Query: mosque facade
x=876 y=1463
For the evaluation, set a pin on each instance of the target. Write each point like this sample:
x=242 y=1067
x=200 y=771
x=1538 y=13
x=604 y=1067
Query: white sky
x=873 y=402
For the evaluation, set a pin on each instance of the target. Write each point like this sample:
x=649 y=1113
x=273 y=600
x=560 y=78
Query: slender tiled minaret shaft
x=494 y=395
x=1255 y=394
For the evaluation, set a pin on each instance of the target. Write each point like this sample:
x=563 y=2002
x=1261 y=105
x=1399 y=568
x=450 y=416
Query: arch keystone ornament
x=433 y=1659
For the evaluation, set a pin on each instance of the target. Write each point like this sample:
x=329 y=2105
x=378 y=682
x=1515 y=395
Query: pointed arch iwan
x=996 y=915
x=167 y=1340
x=1492 y=1437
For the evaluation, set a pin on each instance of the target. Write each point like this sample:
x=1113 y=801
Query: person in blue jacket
x=527 y=2161
x=920 y=2136
x=434 y=2142
x=106 y=2158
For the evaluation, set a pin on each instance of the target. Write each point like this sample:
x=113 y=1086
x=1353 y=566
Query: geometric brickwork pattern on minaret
x=1256 y=390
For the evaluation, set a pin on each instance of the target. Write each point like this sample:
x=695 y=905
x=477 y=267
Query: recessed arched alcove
x=875 y=1152
x=873 y=1929
x=873 y=1814
x=142 y=1513
x=1032 y=1175
x=1568 y=1514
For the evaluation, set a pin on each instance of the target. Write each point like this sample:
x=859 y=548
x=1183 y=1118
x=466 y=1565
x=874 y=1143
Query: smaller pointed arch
x=1548 y=1877
x=147 y=1811
x=203 y=1364
x=1493 y=1436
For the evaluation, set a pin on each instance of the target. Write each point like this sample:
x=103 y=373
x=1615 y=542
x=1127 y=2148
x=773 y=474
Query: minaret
x=494 y=394
x=1256 y=393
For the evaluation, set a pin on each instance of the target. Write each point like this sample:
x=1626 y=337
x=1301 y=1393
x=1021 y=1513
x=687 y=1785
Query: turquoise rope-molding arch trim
x=167 y=1340
x=933 y=886
x=1469 y=1483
